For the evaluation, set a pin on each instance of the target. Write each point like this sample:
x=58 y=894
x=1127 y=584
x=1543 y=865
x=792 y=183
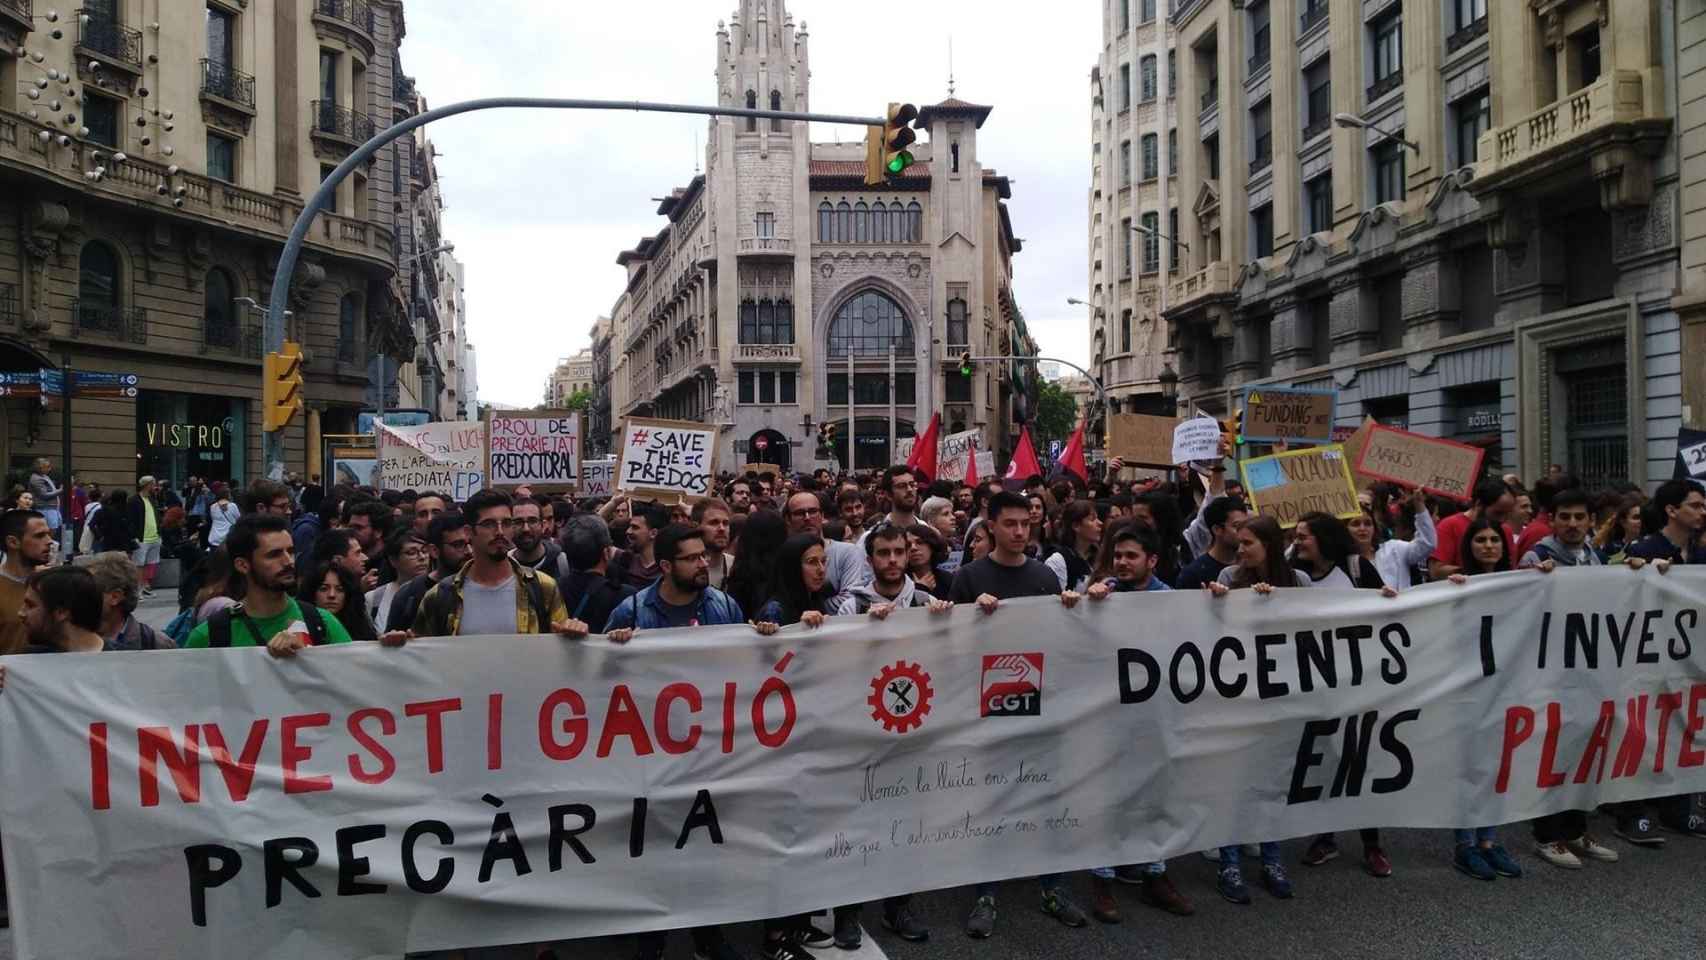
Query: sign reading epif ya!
x=1290 y=414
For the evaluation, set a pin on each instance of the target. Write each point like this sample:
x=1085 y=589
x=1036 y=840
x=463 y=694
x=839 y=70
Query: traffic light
x=967 y=365
x=885 y=147
x=1232 y=432
x=281 y=387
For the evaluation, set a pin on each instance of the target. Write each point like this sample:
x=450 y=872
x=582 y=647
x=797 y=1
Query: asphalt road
x=1651 y=904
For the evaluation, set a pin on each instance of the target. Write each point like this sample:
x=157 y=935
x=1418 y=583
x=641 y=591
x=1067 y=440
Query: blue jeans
x=1155 y=869
x=1477 y=836
x=1230 y=856
x=1049 y=882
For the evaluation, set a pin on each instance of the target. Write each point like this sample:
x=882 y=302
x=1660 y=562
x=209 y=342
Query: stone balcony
x=1212 y=280
x=1606 y=123
x=766 y=353
x=765 y=247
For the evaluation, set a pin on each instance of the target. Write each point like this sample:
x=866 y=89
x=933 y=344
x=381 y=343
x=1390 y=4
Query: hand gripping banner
x=363 y=801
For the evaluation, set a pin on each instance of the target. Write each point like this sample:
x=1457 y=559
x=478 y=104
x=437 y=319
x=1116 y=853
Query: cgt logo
x=1012 y=685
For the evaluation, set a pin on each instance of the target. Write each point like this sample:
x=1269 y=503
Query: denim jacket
x=645 y=611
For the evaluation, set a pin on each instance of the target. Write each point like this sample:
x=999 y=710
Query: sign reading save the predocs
x=1289 y=414
x=448 y=457
x=666 y=458
x=362 y=801
x=543 y=450
x=1288 y=485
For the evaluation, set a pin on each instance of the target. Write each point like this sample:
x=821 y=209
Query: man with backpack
x=267 y=615
x=589 y=592
x=493 y=593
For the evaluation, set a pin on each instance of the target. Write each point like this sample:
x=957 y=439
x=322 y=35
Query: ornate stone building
x=782 y=284
x=571 y=376
x=1483 y=245
x=152 y=159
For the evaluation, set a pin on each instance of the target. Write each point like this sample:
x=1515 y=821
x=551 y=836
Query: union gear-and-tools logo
x=1012 y=685
x=900 y=697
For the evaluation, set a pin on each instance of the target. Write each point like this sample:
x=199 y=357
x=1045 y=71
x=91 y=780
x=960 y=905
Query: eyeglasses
x=416 y=552
x=492 y=523
x=806 y=512
x=531 y=522
x=691 y=558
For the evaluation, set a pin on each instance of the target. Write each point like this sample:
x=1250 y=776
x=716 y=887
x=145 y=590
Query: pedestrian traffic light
x=281 y=387
x=886 y=155
x=967 y=365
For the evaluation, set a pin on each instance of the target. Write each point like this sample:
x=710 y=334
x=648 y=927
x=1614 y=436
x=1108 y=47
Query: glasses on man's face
x=416 y=553
x=692 y=559
x=805 y=512
x=492 y=523
x=531 y=521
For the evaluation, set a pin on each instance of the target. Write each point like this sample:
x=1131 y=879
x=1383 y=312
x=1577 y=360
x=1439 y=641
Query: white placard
x=1694 y=459
x=540 y=451
x=447 y=457
x=667 y=458
x=598 y=477
x=1196 y=439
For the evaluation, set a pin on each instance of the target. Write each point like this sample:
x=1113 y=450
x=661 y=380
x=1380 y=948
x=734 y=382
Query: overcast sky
x=539 y=203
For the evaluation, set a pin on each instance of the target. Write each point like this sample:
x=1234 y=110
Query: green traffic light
x=965 y=371
x=900 y=161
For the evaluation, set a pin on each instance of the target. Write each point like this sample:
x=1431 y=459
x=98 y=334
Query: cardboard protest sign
x=985 y=464
x=448 y=457
x=1197 y=438
x=542 y=450
x=1288 y=485
x=666 y=458
x=1291 y=414
x=761 y=469
x=1356 y=440
x=1690 y=454
x=952 y=452
x=1445 y=467
x=1140 y=439
x=598 y=477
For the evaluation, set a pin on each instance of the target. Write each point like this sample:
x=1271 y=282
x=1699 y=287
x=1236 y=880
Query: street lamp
x=1351 y=121
x=1169 y=379
x=1150 y=232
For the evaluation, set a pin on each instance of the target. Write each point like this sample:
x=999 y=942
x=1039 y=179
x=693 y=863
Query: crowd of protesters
x=287 y=567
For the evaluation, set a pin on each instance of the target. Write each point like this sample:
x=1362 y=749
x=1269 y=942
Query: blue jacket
x=646 y=611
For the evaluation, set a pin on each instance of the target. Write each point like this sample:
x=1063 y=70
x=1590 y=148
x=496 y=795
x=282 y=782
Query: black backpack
x=219 y=625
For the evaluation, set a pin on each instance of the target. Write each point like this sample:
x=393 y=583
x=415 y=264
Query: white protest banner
x=598 y=477
x=542 y=450
x=360 y=801
x=986 y=464
x=952 y=453
x=666 y=458
x=448 y=457
x=1197 y=438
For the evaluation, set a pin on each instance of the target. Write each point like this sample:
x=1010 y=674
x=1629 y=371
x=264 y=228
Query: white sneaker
x=1558 y=855
x=1587 y=846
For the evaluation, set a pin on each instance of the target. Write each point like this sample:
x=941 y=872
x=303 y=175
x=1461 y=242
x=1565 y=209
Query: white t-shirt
x=488 y=609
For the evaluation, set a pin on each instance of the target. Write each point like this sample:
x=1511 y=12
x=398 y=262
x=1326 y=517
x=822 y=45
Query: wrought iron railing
x=1264 y=154
x=8 y=301
x=1312 y=16
x=353 y=12
x=333 y=120
x=109 y=39
x=1211 y=96
x=1465 y=36
x=232 y=337
x=1316 y=128
x=118 y=322
x=226 y=82
x=1385 y=85
x=347 y=349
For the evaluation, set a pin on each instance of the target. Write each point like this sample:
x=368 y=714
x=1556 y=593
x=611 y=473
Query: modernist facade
x=571 y=376
x=1488 y=250
x=784 y=293
x=152 y=159
x=1134 y=202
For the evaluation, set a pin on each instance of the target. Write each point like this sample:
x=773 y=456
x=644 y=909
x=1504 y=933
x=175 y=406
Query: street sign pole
x=65 y=432
x=273 y=440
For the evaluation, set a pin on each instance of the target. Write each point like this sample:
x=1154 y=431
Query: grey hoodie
x=1550 y=548
x=860 y=599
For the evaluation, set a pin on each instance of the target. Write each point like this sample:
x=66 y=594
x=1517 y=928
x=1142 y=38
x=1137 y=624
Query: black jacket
x=590 y=597
x=113 y=531
x=406 y=602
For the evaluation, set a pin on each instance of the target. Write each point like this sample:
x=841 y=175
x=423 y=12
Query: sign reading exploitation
x=542 y=450
x=449 y=457
x=667 y=458
x=1288 y=414
x=1288 y=485
x=364 y=801
x=1438 y=466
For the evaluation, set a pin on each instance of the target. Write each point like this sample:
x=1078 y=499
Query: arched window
x=97 y=287
x=879 y=223
x=867 y=325
x=751 y=104
x=784 y=321
x=776 y=104
x=219 y=315
x=349 y=310
x=825 y=223
x=915 y=222
x=897 y=223
x=957 y=331
x=766 y=321
x=861 y=223
x=843 y=222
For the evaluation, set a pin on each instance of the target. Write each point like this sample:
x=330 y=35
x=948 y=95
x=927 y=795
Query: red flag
x=971 y=468
x=1072 y=460
x=923 y=456
x=1024 y=464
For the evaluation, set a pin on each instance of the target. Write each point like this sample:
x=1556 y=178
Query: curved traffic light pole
x=273 y=442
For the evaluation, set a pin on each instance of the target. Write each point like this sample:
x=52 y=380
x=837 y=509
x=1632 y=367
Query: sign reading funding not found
x=1289 y=414
x=667 y=458
x=359 y=801
x=1288 y=485
x=542 y=450
x=449 y=457
x=1438 y=466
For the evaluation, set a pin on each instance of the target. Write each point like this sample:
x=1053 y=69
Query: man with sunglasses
x=492 y=593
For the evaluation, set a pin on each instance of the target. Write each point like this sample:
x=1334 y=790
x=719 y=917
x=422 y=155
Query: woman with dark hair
x=221 y=584
x=1078 y=535
x=1039 y=530
x=1260 y=566
x=1485 y=550
x=978 y=542
x=926 y=551
x=748 y=584
x=1620 y=529
x=799 y=584
x=1395 y=559
x=334 y=589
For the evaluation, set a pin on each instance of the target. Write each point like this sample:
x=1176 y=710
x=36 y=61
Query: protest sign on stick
x=1288 y=414
x=1438 y=466
x=1196 y=438
x=666 y=459
x=598 y=477
x=1142 y=440
x=1288 y=485
x=449 y=457
x=541 y=450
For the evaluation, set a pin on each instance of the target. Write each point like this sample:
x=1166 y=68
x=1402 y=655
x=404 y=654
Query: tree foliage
x=1057 y=414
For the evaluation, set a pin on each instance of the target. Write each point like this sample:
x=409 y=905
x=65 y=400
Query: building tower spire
x=950 y=65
